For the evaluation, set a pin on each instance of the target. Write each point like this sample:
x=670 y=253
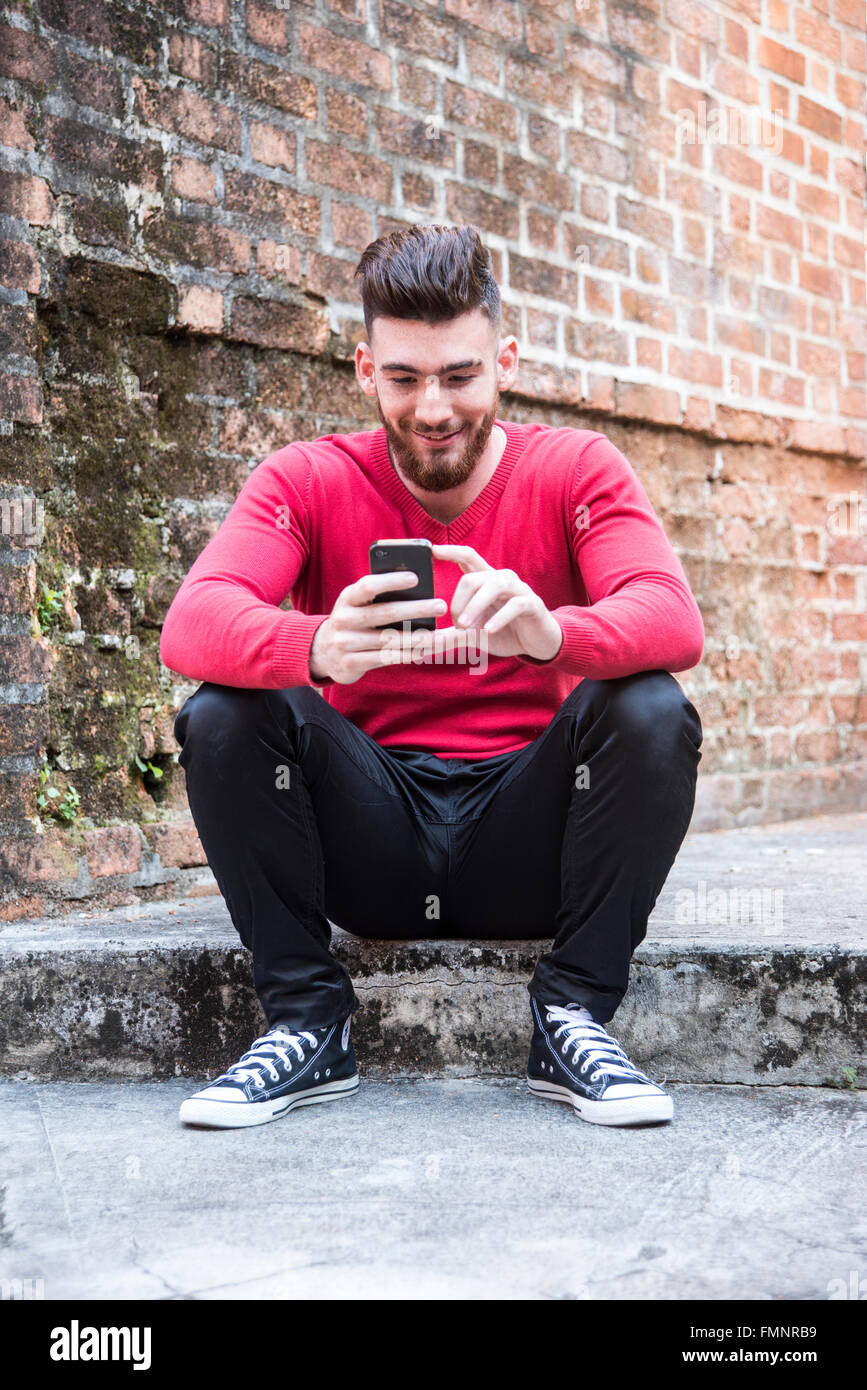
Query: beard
x=437 y=473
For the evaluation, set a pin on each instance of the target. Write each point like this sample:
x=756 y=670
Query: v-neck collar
x=420 y=521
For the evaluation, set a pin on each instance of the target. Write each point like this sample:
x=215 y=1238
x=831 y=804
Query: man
x=540 y=792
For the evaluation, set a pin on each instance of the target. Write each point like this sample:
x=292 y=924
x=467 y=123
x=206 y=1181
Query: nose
x=432 y=410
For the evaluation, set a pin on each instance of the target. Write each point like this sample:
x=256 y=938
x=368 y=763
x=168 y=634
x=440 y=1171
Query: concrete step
x=753 y=971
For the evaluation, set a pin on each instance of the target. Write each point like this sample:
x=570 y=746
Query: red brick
x=418 y=32
x=291 y=327
x=781 y=60
x=259 y=82
x=187 y=113
x=44 y=858
x=536 y=82
x=193 y=58
x=19 y=266
x=597 y=157
x=177 y=844
x=820 y=119
x=348 y=171
x=346 y=112
x=26 y=57
x=26 y=197
x=17 y=122
x=535 y=182
x=481 y=112
x=596 y=342
x=500 y=17
x=647 y=402
x=267 y=26
x=194 y=180
x=273 y=146
x=114 y=849
x=415 y=139
x=348 y=58
x=131 y=33
x=20 y=399
x=200 y=244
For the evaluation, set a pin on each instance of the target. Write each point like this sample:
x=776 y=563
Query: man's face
x=437 y=391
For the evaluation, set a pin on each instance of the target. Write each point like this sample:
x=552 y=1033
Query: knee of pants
x=651 y=709
x=231 y=712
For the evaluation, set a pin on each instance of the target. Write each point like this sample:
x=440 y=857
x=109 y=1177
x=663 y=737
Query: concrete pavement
x=433 y=1188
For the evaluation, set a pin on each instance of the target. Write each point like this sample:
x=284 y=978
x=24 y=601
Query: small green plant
x=48 y=605
x=148 y=766
x=49 y=799
x=849 y=1075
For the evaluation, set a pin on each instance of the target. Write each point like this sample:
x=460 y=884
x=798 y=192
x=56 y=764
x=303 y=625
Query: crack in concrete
x=57 y=1173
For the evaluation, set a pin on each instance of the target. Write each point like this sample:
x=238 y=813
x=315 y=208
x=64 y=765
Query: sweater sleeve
x=642 y=615
x=224 y=623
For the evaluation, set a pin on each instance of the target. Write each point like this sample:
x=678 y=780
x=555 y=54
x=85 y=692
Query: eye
x=408 y=380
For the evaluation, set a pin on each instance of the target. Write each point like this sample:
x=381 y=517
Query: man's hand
x=497 y=603
x=347 y=644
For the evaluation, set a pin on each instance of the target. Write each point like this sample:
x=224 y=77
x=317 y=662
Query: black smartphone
x=416 y=555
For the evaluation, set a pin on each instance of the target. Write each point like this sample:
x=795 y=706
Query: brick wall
x=674 y=194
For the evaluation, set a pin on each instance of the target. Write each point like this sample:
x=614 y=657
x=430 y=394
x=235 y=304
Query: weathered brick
x=415 y=139
x=346 y=112
x=20 y=399
x=77 y=147
x=186 y=112
x=270 y=201
x=177 y=844
x=350 y=172
x=27 y=57
x=254 y=81
x=267 y=26
x=201 y=244
x=418 y=32
x=19 y=266
x=480 y=111
x=349 y=58
x=94 y=84
x=132 y=33
x=27 y=198
x=18 y=121
x=194 y=180
x=534 y=181
x=113 y=849
x=267 y=323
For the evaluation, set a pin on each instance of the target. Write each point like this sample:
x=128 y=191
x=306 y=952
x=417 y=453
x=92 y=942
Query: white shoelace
x=591 y=1042
x=262 y=1052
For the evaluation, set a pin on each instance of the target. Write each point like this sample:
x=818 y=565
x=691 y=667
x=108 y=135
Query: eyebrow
x=453 y=367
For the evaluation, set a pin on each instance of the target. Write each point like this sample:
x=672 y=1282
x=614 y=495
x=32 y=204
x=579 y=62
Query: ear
x=364 y=370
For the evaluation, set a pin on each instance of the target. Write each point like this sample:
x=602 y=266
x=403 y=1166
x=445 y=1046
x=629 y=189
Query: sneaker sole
x=227 y=1114
x=637 y=1110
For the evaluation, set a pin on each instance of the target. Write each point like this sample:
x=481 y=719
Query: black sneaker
x=282 y=1069
x=572 y=1058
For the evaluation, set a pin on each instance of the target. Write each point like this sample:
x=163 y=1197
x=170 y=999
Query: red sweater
x=564 y=510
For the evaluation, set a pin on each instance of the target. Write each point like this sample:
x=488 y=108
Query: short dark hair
x=432 y=273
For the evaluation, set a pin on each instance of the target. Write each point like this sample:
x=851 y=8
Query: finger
x=515 y=608
x=455 y=638
x=378 y=614
x=467 y=585
x=491 y=592
x=365 y=589
x=462 y=555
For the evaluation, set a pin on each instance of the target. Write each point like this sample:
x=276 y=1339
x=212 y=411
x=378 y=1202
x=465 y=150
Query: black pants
x=305 y=819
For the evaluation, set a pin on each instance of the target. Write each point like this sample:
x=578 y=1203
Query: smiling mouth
x=438 y=438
